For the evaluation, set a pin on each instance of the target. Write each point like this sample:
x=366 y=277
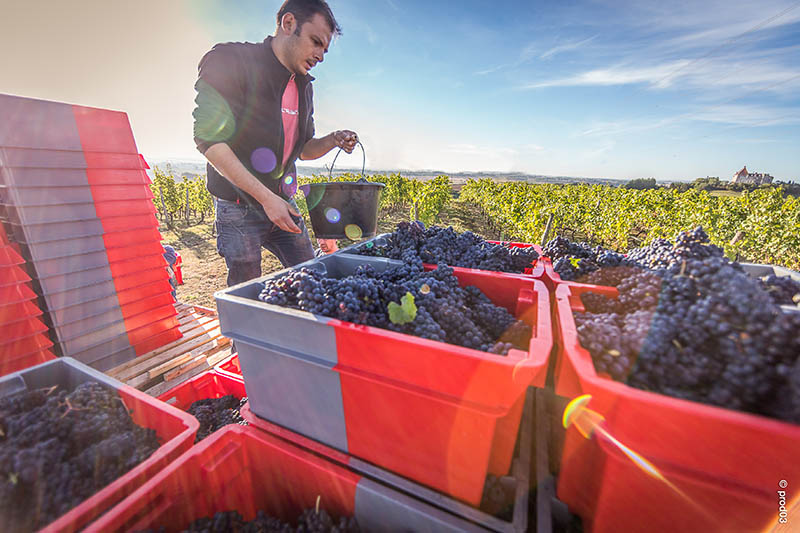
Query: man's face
x=311 y=44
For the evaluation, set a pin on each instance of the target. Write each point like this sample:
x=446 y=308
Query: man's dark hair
x=303 y=10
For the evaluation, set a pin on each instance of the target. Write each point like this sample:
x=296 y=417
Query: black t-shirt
x=239 y=90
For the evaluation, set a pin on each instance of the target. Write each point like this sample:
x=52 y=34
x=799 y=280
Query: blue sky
x=672 y=90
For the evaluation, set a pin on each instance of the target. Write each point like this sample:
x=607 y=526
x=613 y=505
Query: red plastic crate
x=25 y=345
x=145 y=304
x=164 y=331
x=116 y=176
x=132 y=266
x=157 y=341
x=8 y=255
x=623 y=497
x=135 y=250
x=244 y=469
x=727 y=446
x=440 y=414
x=10 y=313
x=114 y=160
x=9 y=365
x=109 y=193
x=131 y=281
x=136 y=294
x=132 y=238
x=235 y=469
x=126 y=223
x=178 y=269
x=103 y=130
x=20 y=330
x=150 y=316
x=12 y=275
x=20 y=292
x=230 y=367
x=175 y=430
x=123 y=208
x=206 y=385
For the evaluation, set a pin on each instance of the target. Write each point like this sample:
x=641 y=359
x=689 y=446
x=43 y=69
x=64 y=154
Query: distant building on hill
x=751 y=178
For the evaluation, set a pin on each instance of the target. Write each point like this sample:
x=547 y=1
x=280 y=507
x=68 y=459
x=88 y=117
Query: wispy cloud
x=393 y=5
x=566 y=47
x=484 y=151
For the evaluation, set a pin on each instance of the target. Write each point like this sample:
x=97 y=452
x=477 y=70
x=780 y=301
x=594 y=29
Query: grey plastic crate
x=295 y=391
x=67 y=247
x=80 y=311
x=43 y=177
x=32 y=123
x=760 y=271
x=64 y=372
x=243 y=315
x=57 y=266
x=45 y=195
x=81 y=295
x=82 y=326
x=56 y=231
x=101 y=334
x=42 y=158
x=73 y=280
x=29 y=215
x=103 y=359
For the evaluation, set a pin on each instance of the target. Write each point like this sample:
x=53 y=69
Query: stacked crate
x=75 y=196
x=23 y=335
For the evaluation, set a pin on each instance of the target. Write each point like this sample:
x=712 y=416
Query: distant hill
x=191 y=168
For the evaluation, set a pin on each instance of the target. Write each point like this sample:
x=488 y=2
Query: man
x=253 y=119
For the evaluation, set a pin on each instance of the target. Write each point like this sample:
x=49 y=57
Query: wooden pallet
x=201 y=347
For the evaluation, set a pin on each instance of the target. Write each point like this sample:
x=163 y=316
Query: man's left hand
x=346 y=140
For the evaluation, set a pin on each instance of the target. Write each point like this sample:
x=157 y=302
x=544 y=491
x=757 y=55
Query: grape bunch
x=573 y=261
x=443 y=311
x=310 y=521
x=411 y=242
x=59 y=447
x=214 y=413
x=691 y=324
x=782 y=289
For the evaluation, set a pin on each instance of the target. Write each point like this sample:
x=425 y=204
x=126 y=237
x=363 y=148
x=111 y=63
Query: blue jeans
x=241 y=232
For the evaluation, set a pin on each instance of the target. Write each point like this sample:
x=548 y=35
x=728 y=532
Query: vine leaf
x=405 y=312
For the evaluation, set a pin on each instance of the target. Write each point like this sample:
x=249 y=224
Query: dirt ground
x=204 y=269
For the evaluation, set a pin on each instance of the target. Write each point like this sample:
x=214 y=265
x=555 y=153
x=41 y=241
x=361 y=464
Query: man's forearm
x=316 y=148
x=225 y=161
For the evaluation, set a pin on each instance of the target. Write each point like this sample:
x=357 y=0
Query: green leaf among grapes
x=405 y=312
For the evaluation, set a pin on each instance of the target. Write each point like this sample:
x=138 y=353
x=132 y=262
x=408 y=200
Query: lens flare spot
x=313 y=194
x=263 y=160
x=574 y=408
x=289 y=185
x=353 y=232
x=333 y=215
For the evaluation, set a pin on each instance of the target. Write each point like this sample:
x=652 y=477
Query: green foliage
x=174 y=196
x=405 y=312
x=430 y=197
x=641 y=184
x=623 y=218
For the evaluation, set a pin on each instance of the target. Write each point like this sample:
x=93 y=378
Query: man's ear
x=288 y=23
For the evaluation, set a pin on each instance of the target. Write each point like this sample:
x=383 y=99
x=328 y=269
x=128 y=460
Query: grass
x=204 y=270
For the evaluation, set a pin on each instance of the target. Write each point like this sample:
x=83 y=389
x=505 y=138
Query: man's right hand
x=280 y=212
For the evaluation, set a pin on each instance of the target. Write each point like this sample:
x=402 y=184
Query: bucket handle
x=363 y=161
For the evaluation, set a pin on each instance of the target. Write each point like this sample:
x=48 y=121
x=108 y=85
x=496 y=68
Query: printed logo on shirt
x=288 y=111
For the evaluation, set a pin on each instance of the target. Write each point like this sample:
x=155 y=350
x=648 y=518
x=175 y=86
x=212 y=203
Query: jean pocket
x=230 y=212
